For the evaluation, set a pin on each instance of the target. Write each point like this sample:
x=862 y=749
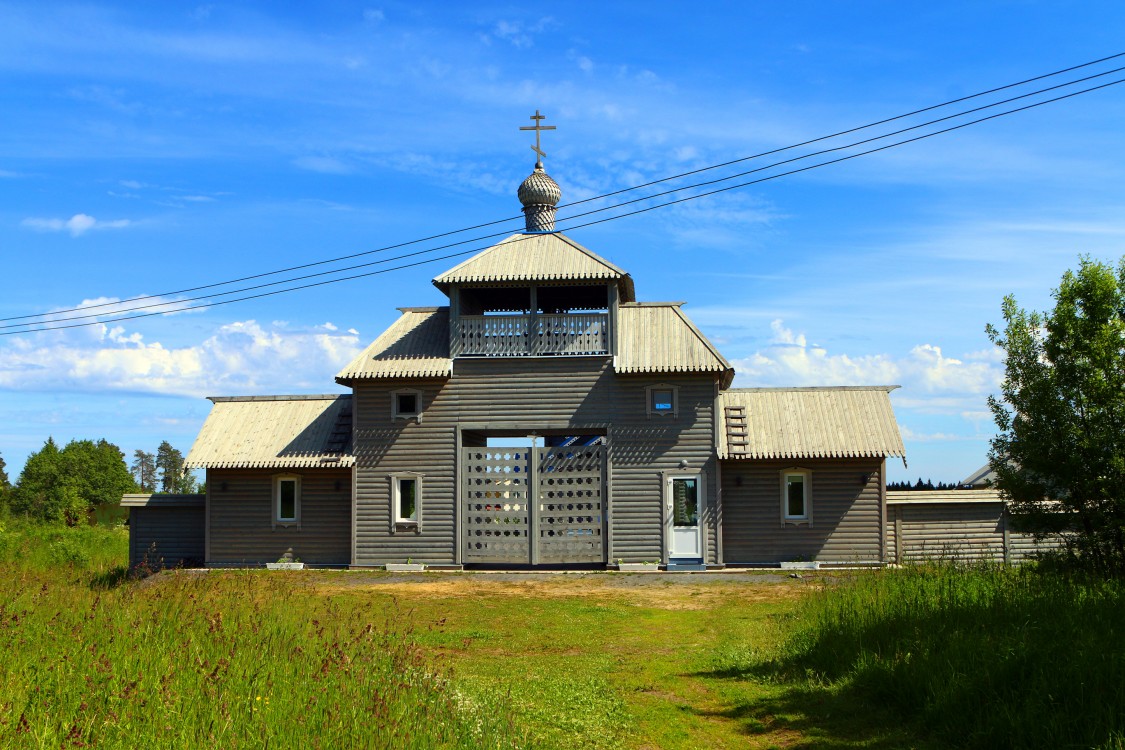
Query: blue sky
x=147 y=148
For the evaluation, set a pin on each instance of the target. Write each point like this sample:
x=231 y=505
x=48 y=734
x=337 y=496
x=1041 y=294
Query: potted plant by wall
x=288 y=561
x=648 y=566
x=407 y=567
x=800 y=563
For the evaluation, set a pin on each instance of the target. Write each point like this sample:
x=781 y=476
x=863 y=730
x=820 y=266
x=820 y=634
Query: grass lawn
x=624 y=660
x=250 y=659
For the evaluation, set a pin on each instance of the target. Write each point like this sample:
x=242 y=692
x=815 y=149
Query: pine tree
x=144 y=469
x=170 y=466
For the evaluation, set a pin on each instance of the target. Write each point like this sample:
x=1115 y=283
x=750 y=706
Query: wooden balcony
x=573 y=334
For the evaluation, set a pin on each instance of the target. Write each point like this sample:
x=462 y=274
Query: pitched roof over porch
x=274 y=432
x=658 y=337
x=836 y=422
x=415 y=346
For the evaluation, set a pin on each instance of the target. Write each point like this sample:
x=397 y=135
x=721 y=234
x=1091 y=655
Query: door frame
x=666 y=478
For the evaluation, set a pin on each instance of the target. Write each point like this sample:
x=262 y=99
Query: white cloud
x=77 y=225
x=373 y=15
x=240 y=357
x=519 y=34
x=932 y=382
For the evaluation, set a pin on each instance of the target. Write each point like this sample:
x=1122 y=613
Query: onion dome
x=539 y=195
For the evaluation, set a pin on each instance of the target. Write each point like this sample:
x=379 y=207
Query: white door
x=686 y=541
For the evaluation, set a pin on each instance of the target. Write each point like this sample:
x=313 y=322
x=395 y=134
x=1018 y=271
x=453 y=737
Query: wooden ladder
x=738 y=436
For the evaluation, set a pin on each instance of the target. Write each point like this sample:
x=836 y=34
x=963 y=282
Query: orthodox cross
x=538 y=128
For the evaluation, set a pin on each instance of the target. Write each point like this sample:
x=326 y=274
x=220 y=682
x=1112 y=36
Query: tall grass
x=987 y=657
x=93 y=659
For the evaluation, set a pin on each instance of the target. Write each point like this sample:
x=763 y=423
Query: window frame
x=787 y=519
x=278 y=480
x=650 y=395
x=398 y=523
x=415 y=415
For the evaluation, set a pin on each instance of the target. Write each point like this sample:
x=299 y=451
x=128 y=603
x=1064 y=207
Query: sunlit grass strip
x=198 y=660
x=983 y=657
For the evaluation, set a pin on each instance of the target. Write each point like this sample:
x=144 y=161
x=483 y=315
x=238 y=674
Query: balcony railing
x=530 y=335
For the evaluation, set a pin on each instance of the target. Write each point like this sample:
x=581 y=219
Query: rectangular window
x=662 y=399
x=286 y=499
x=407 y=500
x=685 y=502
x=795 y=496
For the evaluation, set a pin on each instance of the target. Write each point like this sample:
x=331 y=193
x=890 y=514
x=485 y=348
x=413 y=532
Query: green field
x=343 y=659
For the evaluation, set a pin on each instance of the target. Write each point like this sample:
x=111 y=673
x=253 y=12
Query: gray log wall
x=166 y=537
x=571 y=395
x=948 y=530
x=847 y=521
x=240 y=517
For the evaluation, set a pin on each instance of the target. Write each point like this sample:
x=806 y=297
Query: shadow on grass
x=111 y=578
x=795 y=715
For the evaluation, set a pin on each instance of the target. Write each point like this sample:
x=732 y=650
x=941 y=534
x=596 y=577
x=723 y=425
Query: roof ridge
x=807 y=388
x=653 y=304
x=296 y=397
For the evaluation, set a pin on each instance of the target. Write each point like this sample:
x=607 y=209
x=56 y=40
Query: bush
x=981 y=657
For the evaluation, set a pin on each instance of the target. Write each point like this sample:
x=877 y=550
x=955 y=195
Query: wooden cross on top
x=538 y=128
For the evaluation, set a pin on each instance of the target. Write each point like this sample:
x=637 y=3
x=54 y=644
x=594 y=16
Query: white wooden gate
x=533 y=506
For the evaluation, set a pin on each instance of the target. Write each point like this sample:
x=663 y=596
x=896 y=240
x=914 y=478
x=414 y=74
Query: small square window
x=662 y=400
x=406 y=405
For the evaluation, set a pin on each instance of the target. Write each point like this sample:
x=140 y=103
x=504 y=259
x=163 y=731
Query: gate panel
x=569 y=493
x=495 y=497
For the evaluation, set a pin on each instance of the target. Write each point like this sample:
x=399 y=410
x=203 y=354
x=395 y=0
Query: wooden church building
x=544 y=417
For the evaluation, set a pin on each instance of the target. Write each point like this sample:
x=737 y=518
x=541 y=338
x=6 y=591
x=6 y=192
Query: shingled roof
x=415 y=346
x=846 y=421
x=274 y=432
x=536 y=257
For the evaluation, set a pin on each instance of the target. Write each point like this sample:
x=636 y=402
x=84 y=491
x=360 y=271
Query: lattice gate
x=533 y=505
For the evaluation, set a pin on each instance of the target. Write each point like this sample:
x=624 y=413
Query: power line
x=565 y=205
x=598 y=221
x=29 y=326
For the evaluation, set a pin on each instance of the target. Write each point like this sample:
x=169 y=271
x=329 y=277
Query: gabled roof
x=847 y=421
x=982 y=477
x=415 y=346
x=275 y=432
x=550 y=256
x=658 y=337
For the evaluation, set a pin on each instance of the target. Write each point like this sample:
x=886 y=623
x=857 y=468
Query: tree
x=97 y=470
x=62 y=485
x=170 y=465
x=144 y=469
x=1059 y=456
x=5 y=485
